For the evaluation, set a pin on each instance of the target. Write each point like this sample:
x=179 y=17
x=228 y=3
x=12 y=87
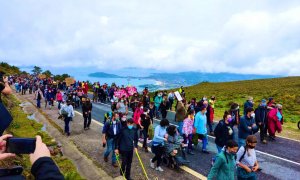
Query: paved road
x=279 y=159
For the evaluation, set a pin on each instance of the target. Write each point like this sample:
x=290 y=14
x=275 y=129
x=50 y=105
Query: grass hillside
x=286 y=91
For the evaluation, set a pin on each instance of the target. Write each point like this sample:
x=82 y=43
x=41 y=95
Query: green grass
x=23 y=127
x=286 y=91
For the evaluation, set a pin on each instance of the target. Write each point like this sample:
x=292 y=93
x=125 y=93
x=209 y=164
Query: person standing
x=246 y=160
x=247 y=126
x=110 y=132
x=126 y=143
x=224 y=167
x=201 y=130
x=261 y=119
x=145 y=122
x=157 y=101
x=164 y=107
x=87 y=113
x=59 y=98
x=171 y=97
x=235 y=115
x=160 y=137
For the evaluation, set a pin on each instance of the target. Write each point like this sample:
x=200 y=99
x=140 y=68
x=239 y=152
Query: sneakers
x=152 y=164
x=264 y=141
x=159 y=169
x=106 y=159
x=205 y=152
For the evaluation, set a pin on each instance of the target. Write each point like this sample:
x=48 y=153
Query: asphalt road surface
x=279 y=159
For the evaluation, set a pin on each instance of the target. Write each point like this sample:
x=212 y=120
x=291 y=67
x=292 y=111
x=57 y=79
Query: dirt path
x=89 y=143
x=86 y=166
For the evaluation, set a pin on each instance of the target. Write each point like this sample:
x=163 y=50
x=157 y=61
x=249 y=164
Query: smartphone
x=20 y=145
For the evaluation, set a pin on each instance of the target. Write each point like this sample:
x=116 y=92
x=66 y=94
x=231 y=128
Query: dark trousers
x=171 y=104
x=59 y=102
x=158 y=151
x=67 y=122
x=126 y=162
x=145 y=134
x=188 y=139
x=38 y=103
x=263 y=129
x=210 y=126
x=87 y=120
x=164 y=114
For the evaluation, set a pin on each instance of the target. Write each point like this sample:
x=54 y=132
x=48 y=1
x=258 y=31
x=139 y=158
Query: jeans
x=67 y=122
x=219 y=148
x=110 y=143
x=126 y=163
x=241 y=142
x=235 y=133
x=263 y=129
x=38 y=103
x=87 y=120
x=156 y=111
x=204 y=139
x=210 y=126
x=59 y=102
x=180 y=126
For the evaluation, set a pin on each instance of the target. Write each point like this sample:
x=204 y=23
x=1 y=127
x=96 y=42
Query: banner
x=70 y=81
x=120 y=93
x=42 y=76
x=131 y=90
x=178 y=96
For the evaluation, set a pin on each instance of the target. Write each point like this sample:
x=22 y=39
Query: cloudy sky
x=248 y=36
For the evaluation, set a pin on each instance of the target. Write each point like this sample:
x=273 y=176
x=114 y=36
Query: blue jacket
x=244 y=131
x=108 y=129
x=200 y=123
x=158 y=101
x=159 y=135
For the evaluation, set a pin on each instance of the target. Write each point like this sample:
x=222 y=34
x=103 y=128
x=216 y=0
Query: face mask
x=229 y=119
x=142 y=107
x=205 y=112
x=130 y=126
x=123 y=119
x=114 y=122
x=253 y=115
x=251 y=147
x=237 y=108
x=264 y=104
x=122 y=100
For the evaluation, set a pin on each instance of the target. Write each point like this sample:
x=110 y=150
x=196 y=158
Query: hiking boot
x=152 y=164
x=272 y=138
x=146 y=149
x=115 y=165
x=264 y=141
x=159 y=169
x=106 y=159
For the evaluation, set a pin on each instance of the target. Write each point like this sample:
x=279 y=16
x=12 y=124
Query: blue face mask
x=130 y=126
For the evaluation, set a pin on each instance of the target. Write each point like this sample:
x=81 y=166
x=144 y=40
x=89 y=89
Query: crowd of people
x=194 y=118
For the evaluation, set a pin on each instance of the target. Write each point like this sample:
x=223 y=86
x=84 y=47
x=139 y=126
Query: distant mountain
x=104 y=75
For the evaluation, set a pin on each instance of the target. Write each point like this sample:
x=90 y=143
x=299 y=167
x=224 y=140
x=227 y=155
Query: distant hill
x=104 y=75
x=285 y=91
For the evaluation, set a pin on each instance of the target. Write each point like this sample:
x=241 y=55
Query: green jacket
x=221 y=169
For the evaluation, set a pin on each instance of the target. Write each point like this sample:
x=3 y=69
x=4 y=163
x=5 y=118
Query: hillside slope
x=285 y=91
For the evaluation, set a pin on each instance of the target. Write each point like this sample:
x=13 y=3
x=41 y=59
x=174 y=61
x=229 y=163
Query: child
x=127 y=142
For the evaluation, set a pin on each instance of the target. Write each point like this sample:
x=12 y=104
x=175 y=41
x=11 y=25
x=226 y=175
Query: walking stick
x=137 y=154
x=117 y=155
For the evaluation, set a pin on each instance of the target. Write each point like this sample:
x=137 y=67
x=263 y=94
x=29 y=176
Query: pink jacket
x=188 y=126
x=59 y=97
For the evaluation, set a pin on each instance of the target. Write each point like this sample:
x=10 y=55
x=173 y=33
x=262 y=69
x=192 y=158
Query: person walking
x=110 y=132
x=180 y=115
x=246 y=160
x=247 y=126
x=247 y=104
x=275 y=121
x=87 y=113
x=224 y=166
x=188 y=130
x=38 y=97
x=59 y=98
x=126 y=143
x=157 y=101
x=261 y=120
x=145 y=122
x=201 y=130
x=68 y=116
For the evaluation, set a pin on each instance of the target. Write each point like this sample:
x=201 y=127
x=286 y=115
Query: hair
x=249 y=109
x=171 y=130
x=226 y=113
x=251 y=139
x=191 y=112
x=231 y=144
x=130 y=121
x=164 y=123
x=202 y=108
x=115 y=113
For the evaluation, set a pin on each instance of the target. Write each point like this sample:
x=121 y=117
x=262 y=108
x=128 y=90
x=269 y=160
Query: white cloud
x=211 y=36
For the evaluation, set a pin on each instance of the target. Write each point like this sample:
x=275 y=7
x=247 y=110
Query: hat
x=263 y=100
x=250 y=98
x=270 y=98
x=279 y=106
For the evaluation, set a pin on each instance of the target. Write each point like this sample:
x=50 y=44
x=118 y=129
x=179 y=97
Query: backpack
x=242 y=157
x=64 y=111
